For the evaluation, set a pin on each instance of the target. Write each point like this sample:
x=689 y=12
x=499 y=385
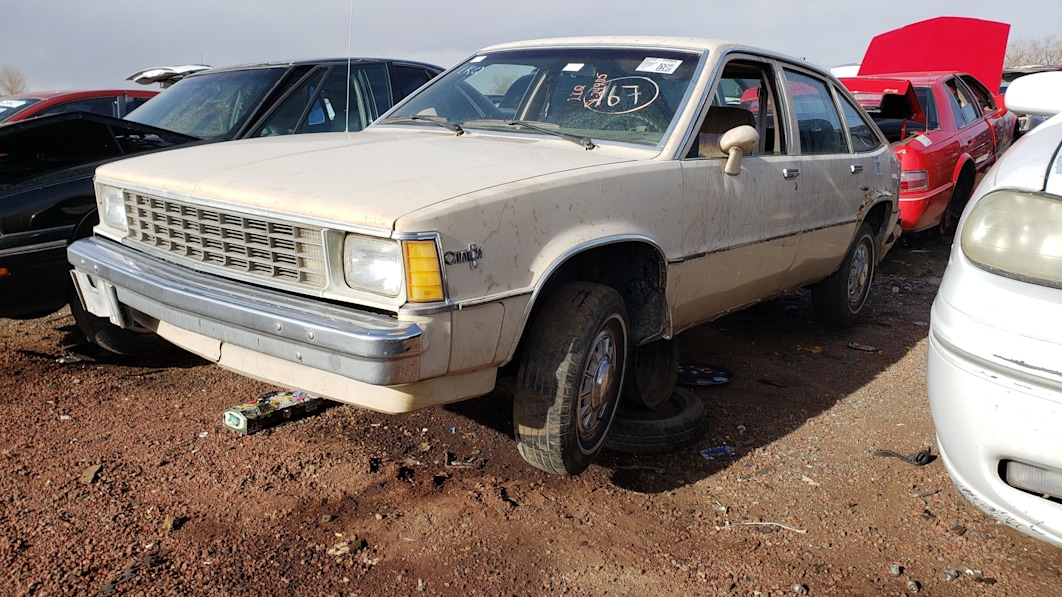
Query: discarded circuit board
x=270 y=410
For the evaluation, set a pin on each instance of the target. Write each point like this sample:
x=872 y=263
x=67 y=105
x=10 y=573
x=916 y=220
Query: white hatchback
x=995 y=342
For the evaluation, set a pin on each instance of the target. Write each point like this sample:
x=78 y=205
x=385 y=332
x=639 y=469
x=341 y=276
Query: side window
x=928 y=99
x=320 y=103
x=964 y=106
x=285 y=118
x=410 y=79
x=981 y=94
x=95 y=105
x=132 y=103
x=745 y=94
x=862 y=132
x=818 y=122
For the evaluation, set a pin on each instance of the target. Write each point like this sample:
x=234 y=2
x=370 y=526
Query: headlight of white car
x=111 y=201
x=384 y=266
x=1016 y=235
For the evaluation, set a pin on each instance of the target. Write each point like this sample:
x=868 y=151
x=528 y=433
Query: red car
x=109 y=102
x=954 y=128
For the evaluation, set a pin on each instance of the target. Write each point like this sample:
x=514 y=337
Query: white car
x=562 y=206
x=995 y=341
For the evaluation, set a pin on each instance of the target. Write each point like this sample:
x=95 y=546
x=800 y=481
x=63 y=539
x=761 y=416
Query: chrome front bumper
x=129 y=288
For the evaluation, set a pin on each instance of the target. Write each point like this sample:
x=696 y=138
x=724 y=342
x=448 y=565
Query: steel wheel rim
x=859 y=274
x=601 y=379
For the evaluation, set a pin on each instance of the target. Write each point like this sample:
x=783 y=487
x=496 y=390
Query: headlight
x=111 y=203
x=373 y=264
x=1017 y=235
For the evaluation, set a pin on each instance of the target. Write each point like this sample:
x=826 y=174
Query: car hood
x=943 y=44
x=42 y=146
x=370 y=178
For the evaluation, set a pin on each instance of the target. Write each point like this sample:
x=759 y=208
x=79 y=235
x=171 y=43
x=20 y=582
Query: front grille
x=278 y=251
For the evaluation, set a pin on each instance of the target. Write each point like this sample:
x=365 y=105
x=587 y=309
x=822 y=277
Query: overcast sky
x=76 y=44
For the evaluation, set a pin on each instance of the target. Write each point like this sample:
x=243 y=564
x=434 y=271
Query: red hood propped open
x=943 y=44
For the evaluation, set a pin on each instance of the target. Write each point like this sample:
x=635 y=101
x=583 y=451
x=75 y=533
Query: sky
x=74 y=44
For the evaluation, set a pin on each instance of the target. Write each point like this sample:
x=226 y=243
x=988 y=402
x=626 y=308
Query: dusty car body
x=46 y=164
x=962 y=128
x=995 y=340
x=108 y=102
x=564 y=207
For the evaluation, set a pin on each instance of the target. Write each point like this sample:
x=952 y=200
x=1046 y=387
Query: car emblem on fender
x=471 y=256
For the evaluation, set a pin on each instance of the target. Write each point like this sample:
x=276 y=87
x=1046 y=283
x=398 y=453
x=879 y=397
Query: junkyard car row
x=557 y=211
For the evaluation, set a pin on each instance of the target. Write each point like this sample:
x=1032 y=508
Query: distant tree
x=11 y=81
x=500 y=83
x=1027 y=50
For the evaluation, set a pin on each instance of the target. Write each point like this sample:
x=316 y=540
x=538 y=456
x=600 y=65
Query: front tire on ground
x=101 y=332
x=569 y=380
x=678 y=423
x=840 y=298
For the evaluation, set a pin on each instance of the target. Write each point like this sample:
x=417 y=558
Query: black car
x=47 y=163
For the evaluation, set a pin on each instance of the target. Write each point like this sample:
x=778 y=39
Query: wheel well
x=878 y=219
x=966 y=174
x=636 y=270
x=84 y=227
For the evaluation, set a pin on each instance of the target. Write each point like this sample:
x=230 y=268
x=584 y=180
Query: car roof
x=311 y=62
x=916 y=78
x=693 y=43
x=697 y=44
x=47 y=95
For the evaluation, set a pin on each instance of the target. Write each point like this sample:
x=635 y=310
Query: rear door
x=840 y=173
x=975 y=134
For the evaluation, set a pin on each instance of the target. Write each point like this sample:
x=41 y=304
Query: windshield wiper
x=580 y=140
x=446 y=125
x=584 y=142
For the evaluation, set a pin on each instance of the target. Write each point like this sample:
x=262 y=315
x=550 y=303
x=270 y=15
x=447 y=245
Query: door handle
x=857 y=168
x=790 y=172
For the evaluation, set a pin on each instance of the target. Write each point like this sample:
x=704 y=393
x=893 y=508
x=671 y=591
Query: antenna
x=350 y=34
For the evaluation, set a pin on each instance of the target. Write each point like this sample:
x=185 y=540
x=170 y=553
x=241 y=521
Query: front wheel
x=101 y=332
x=569 y=380
x=840 y=298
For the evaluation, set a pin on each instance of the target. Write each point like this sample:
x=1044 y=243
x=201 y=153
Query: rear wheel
x=959 y=197
x=840 y=298
x=568 y=383
x=652 y=373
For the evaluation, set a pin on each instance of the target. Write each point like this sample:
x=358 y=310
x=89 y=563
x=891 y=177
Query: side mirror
x=737 y=142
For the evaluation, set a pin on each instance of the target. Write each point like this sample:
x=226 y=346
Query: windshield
x=617 y=94
x=213 y=105
x=10 y=107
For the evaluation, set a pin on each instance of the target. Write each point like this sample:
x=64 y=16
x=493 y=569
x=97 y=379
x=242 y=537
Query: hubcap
x=599 y=388
x=858 y=275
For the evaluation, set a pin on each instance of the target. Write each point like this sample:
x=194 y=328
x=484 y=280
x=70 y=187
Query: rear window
x=10 y=107
x=214 y=105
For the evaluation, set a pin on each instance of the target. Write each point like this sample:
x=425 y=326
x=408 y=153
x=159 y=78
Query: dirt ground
x=438 y=502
